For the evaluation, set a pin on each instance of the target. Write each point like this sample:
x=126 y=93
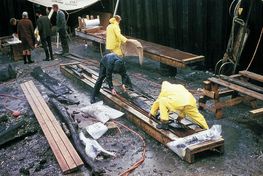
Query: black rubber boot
x=24 y=58
x=51 y=56
x=163 y=125
x=47 y=55
x=29 y=59
x=92 y=100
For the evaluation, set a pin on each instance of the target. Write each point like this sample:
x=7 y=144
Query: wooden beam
x=256 y=112
x=132 y=113
x=244 y=84
x=237 y=88
x=252 y=75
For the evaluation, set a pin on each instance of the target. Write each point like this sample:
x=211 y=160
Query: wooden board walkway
x=137 y=115
x=160 y=53
x=238 y=87
x=66 y=155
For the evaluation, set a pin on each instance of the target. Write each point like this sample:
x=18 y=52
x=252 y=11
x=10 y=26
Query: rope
x=11 y=96
x=256 y=49
x=139 y=162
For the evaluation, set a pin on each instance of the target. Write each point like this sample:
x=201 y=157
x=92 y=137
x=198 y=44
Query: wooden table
x=15 y=47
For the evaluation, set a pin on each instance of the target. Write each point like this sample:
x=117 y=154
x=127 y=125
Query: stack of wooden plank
x=65 y=153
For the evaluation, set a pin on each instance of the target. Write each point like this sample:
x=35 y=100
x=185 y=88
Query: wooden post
x=218 y=112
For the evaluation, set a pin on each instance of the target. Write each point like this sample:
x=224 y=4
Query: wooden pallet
x=66 y=155
x=238 y=87
x=137 y=115
x=156 y=52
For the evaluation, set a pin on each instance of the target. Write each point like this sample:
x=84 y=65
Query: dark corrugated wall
x=197 y=26
x=13 y=9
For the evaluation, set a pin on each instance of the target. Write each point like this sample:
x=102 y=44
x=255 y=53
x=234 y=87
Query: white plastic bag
x=93 y=148
x=101 y=112
x=96 y=130
x=179 y=145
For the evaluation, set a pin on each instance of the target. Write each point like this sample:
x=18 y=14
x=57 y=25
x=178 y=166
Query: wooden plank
x=256 y=112
x=73 y=154
x=194 y=59
x=242 y=83
x=237 y=88
x=209 y=145
x=210 y=94
x=51 y=124
x=46 y=118
x=252 y=75
x=54 y=146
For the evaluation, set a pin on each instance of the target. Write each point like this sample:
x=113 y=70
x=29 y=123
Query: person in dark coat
x=61 y=25
x=25 y=33
x=110 y=64
x=44 y=28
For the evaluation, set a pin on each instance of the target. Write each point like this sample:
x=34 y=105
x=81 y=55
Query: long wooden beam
x=137 y=117
x=238 y=88
x=156 y=52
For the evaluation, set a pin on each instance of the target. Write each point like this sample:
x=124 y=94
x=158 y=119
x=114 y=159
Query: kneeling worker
x=176 y=98
x=110 y=64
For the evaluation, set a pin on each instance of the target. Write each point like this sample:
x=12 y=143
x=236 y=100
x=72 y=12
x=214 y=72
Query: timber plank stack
x=66 y=155
x=239 y=87
x=137 y=115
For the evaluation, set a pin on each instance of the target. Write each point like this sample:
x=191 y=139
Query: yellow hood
x=113 y=21
x=178 y=93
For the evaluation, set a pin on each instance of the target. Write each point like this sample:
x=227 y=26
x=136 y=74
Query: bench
x=66 y=155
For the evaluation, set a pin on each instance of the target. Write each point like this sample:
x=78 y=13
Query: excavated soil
x=31 y=155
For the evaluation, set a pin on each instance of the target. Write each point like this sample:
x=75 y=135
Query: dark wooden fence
x=197 y=26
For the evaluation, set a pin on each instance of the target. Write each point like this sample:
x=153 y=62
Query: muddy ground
x=32 y=154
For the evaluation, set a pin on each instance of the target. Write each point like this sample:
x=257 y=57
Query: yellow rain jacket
x=176 y=98
x=114 y=38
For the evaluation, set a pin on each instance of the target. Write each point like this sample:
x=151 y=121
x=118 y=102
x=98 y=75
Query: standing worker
x=176 y=98
x=110 y=64
x=61 y=28
x=25 y=33
x=44 y=28
x=114 y=38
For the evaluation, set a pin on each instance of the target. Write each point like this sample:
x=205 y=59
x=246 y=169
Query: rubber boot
x=29 y=59
x=24 y=58
x=164 y=125
x=47 y=55
x=51 y=54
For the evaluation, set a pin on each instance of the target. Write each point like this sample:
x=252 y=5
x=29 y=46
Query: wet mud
x=32 y=154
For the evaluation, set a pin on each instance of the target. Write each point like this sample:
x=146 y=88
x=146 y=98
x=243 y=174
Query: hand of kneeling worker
x=123 y=88
x=113 y=92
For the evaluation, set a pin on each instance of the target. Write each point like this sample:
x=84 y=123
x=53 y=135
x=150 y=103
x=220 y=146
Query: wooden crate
x=17 y=52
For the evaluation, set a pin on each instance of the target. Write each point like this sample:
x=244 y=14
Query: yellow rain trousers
x=114 y=38
x=176 y=98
